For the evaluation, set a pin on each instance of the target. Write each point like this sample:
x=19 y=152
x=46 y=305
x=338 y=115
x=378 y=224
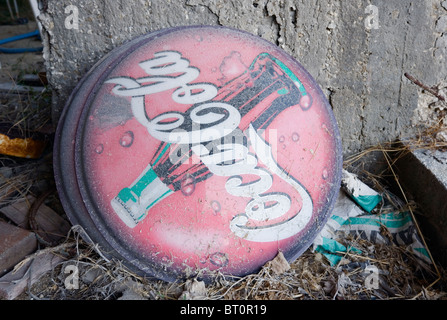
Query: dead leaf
x=279 y=264
x=194 y=290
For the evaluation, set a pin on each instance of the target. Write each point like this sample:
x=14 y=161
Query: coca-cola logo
x=197 y=158
x=233 y=160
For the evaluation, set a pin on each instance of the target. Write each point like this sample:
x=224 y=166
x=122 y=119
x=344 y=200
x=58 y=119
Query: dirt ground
x=14 y=65
x=310 y=277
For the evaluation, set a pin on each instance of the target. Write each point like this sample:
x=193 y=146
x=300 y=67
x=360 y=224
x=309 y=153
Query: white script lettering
x=169 y=71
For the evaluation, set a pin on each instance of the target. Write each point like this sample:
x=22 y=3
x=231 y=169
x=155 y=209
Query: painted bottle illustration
x=260 y=93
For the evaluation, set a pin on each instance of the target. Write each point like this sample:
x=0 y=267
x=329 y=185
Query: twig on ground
x=425 y=87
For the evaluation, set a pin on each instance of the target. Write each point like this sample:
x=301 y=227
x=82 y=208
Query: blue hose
x=20 y=50
x=20 y=37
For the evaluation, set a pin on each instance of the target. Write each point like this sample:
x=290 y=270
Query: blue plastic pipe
x=17 y=38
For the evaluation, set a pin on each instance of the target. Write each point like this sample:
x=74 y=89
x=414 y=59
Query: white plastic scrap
x=351 y=216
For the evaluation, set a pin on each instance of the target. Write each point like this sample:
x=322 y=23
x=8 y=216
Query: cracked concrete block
x=356 y=50
x=423 y=175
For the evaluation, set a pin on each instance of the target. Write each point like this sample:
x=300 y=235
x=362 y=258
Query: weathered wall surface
x=358 y=53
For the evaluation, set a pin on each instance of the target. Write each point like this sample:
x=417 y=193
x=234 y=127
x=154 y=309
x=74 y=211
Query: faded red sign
x=208 y=149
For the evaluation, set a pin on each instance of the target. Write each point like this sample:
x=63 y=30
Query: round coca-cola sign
x=198 y=149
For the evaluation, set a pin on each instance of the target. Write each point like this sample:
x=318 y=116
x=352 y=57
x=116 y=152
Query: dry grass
x=15 y=183
x=310 y=277
x=26 y=114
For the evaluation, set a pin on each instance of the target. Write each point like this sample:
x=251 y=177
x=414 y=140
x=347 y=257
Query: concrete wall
x=358 y=53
